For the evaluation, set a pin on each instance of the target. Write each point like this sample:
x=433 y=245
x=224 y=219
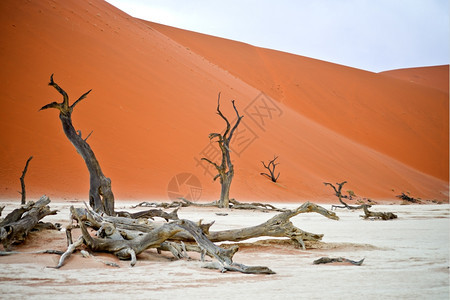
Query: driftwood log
x=377 y=215
x=126 y=237
x=16 y=225
x=328 y=260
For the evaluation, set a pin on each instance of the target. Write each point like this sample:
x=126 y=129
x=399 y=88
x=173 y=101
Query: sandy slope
x=153 y=105
x=436 y=77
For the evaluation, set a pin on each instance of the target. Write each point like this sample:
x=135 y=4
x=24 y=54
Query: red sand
x=153 y=105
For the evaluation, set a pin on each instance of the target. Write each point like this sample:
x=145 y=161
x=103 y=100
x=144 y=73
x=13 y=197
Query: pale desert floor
x=407 y=258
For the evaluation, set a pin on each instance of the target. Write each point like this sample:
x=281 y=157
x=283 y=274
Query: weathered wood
x=277 y=226
x=254 y=206
x=16 y=214
x=1 y=209
x=126 y=249
x=327 y=260
x=22 y=181
x=127 y=237
x=377 y=215
x=5 y=253
x=70 y=249
x=271 y=168
x=14 y=230
x=101 y=197
x=225 y=169
x=223 y=256
x=150 y=214
x=338 y=193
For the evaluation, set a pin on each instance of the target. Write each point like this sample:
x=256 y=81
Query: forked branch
x=338 y=193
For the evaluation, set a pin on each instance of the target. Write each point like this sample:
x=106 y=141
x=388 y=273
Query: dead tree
x=101 y=197
x=340 y=196
x=408 y=199
x=271 y=168
x=22 y=181
x=225 y=169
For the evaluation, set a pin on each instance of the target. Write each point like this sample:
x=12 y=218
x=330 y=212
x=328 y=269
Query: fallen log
x=377 y=215
x=14 y=229
x=327 y=260
x=150 y=214
x=254 y=206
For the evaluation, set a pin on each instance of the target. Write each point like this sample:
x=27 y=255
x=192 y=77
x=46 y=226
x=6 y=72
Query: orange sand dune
x=436 y=77
x=153 y=105
x=371 y=109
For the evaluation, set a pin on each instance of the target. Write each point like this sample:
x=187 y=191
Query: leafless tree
x=271 y=168
x=101 y=197
x=225 y=169
x=338 y=193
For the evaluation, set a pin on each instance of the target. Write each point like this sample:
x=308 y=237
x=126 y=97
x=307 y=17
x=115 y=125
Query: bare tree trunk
x=225 y=169
x=101 y=197
x=22 y=181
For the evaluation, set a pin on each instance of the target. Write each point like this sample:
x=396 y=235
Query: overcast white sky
x=373 y=35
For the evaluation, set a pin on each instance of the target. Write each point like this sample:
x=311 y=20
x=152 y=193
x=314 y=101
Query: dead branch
x=377 y=215
x=277 y=226
x=150 y=214
x=338 y=194
x=327 y=260
x=408 y=199
x=5 y=253
x=22 y=180
x=15 y=227
x=271 y=168
x=254 y=206
x=223 y=256
x=70 y=249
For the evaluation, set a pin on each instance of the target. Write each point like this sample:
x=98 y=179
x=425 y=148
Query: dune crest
x=153 y=105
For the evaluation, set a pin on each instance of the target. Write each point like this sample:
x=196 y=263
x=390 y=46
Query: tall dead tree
x=271 y=168
x=101 y=197
x=22 y=181
x=225 y=169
